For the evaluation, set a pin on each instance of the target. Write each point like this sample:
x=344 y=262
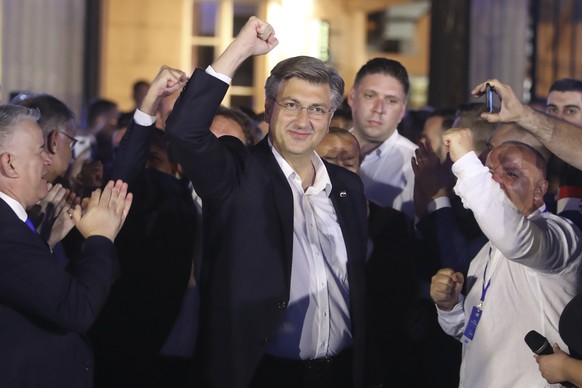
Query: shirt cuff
x=224 y=78
x=438 y=203
x=143 y=119
x=454 y=313
x=467 y=165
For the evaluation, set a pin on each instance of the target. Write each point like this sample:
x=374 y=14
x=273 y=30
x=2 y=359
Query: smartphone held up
x=489 y=97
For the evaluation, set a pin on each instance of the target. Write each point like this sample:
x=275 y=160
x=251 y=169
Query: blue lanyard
x=485 y=287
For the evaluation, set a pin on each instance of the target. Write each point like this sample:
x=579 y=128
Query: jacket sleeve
x=132 y=154
x=209 y=165
x=33 y=284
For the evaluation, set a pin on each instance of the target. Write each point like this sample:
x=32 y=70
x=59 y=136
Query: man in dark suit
x=282 y=285
x=45 y=310
x=138 y=339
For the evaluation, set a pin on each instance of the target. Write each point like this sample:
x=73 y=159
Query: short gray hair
x=10 y=118
x=308 y=69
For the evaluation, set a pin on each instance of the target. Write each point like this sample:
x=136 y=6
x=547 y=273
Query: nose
x=46 y=158
x=379 y=106
x=302 y=117
x=498 y=177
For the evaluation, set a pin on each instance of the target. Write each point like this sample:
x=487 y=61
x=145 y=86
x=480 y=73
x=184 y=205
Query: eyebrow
x=293 y=99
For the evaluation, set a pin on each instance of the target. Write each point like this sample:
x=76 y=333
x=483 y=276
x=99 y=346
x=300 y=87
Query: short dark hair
x=308 y=69
x=448 y=115
x=566 y=85
x=98 y=108
x=140 y=84
x=242 y=119
x=342 y=132
x=469 y=116
x=54 y=114
x=385 y=66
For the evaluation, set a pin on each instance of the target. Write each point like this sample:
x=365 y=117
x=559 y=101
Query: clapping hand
x=104 y=213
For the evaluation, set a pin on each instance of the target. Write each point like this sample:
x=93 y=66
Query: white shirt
x=15 y=206
x=387 y=174
x=534 y=267
x=317 y=321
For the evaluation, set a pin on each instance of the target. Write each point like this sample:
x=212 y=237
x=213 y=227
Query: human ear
x=52 y=144
x=268 y=111
x=7 y=165
x=541 y=189
x=351 y=96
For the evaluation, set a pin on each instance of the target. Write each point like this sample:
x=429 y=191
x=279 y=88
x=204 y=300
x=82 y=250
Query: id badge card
x=472 y=325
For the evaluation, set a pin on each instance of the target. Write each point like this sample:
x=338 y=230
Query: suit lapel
x=283 y=198
x=340 y=197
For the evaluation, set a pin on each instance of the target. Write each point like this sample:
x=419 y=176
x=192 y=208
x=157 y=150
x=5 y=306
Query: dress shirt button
x=88 y=366
x=282 y=305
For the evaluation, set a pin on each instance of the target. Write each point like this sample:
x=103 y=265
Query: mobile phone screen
x=489 y=98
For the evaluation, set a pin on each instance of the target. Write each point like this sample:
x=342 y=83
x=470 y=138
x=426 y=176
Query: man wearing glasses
x=57 y=123
x=285 y=233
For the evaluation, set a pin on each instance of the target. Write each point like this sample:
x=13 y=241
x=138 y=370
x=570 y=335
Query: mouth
x=298 y=135
x=375 y=123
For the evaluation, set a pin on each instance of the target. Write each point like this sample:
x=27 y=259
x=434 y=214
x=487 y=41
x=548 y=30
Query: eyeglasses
x=71 y=138
x=314 y=111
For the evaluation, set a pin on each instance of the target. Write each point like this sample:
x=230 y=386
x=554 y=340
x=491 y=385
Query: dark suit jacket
x=155 y=247
x=248 y=238
x=45 y=310
x=391 y=285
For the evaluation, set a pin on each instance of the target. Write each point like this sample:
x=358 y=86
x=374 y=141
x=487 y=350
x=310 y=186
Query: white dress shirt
x=317 y=322
x=387 y=174
x=533 y=265
x=15 y=206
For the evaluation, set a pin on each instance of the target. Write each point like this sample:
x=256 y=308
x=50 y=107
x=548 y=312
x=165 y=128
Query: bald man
x=521 y=279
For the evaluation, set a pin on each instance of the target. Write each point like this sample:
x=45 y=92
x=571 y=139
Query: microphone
x=540 y=346
x=538 y=343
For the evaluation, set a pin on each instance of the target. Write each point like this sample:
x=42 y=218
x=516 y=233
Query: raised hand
x=511 y=108
x=46 y=211
x=430 y=177
x=64 y=222
x=167 y=81
x=256 y=37
x=105 y=212
x=459 y=141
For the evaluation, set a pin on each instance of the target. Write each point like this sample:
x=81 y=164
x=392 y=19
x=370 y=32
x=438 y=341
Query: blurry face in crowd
x=222 y=125
x=62 y=152
x=342 y=150
x=520 y=175
x=433 y=131
x=566 y=106
x=378 y=104
x=160 y=160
